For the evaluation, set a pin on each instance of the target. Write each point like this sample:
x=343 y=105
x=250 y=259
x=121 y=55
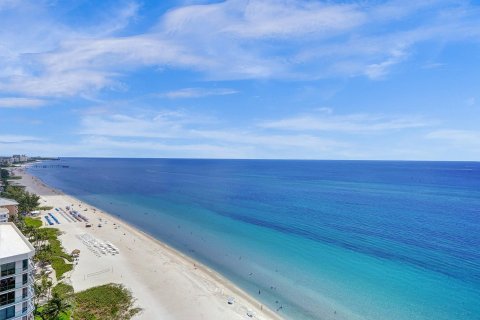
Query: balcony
x=18 y=285
x=17 y=271
x=31 y=265
x=17 y=300
x=19 y=315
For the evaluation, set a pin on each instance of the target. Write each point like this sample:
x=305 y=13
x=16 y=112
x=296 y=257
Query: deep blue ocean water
x=321 y=239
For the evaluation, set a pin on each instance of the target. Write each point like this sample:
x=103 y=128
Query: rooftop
x=7 y=202
x=12 y=241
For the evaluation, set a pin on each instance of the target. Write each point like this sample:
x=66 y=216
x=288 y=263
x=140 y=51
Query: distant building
x=16 y=274
x=4 y=214
x=6 y=161
x=19 y=158
x=10 y=205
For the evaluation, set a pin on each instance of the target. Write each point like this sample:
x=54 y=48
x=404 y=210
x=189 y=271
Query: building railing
x=29 y=287
x=23 y=313
x=18 y=285
x=17 y=300
x=17 y=271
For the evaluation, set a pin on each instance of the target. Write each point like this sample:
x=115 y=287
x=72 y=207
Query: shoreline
x=200 y=283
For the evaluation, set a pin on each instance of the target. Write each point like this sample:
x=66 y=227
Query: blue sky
x=241 y=79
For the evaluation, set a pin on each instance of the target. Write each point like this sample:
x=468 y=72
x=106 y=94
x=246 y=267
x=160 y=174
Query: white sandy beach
x=166 y=283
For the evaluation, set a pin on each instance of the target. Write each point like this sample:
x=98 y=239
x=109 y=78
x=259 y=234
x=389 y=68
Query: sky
x=275 y=79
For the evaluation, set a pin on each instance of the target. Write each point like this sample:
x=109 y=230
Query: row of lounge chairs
x=54 y=218
x=64 y=214
x=98 y=248
x=72 y=215
x=50 y=223
x=51 y=216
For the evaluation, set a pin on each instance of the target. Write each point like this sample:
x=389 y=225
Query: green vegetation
x=32 y=222
x=27 y=201
x=63 y=290
x=57 y=308
x=4 y=174
x=60 y=307
x=55 y=244
x=107 y=302
x=48 y=248
x=49 y=251
x=60 y=266
x=62 y=316
x=42 y=287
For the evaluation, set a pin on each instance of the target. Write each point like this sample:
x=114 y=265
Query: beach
x=166 y=283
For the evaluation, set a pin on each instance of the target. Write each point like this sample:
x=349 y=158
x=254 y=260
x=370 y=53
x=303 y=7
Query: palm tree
x=55 y=307
x=49 y=286
x=37 y=288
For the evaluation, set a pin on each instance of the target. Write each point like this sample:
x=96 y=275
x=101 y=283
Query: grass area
x=106 y=302
x=60 y=267
x=55 y=245
x=57 y=249
x=56 y=254
x=62 y=289
x=14 y=177
x=33 y=222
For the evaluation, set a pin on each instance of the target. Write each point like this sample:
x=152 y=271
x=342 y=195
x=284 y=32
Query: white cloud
x=13 y=139
x=264 y=19
x=454 y=144
x=180 y=130
x=223 y=146
x=308 y=135
x=181 y=134
x=378 y=70
x=235 y=39
x=21 y=103
x=353 y=123
x=156 y=125
x=197 y=93
x=119 y=19
x=458 y=137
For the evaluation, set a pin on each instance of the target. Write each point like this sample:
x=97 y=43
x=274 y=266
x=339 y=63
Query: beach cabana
x=75 y=253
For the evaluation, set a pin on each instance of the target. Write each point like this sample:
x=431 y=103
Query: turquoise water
x=311 y=239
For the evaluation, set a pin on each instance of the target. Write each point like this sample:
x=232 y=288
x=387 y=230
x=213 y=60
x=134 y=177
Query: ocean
x=311 y=239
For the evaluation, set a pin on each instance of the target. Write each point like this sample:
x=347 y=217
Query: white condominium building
x=16 y=274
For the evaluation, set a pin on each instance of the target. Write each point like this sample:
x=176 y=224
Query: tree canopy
x=27 y=201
